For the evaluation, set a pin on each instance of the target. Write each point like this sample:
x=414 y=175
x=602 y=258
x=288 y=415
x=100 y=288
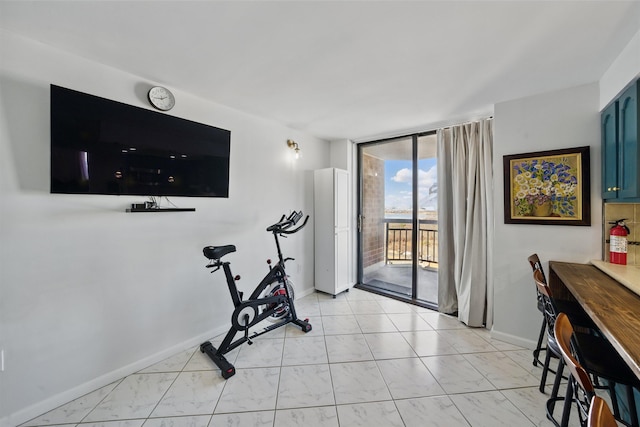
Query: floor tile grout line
x=120 y=381
x=168 y=388
x=213 y=410
x=404 y=423
x=78 y=398
x=516 y=406
x=275 y=404
x=333 y=389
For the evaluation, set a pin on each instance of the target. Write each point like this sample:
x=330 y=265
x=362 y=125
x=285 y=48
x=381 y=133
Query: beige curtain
x=465 y=222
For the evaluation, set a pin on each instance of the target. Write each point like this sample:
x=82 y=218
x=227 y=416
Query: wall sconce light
x=294 y=146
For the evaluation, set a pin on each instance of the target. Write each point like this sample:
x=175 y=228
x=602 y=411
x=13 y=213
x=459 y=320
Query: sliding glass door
x=426 y=287
x=397 y=221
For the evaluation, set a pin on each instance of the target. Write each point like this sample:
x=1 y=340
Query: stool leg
x=568 y=400
x=545 y=370
x=551 y=402
x=556 y=383
x=536 y=352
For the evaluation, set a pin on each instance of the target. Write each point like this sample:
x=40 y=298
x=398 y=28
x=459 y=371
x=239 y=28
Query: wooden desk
x=613 y=307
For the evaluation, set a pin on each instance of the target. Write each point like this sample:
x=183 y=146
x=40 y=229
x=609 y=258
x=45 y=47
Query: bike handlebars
x=296 y=229
x=282 y=226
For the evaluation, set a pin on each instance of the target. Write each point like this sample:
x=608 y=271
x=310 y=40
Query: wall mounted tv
x=99 y=146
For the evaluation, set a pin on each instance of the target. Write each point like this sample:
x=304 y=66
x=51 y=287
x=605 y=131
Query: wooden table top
x=614 y=308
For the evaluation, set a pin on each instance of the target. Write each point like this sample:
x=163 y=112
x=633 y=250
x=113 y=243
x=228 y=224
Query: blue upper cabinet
x=620 y=153
x=609 y=126
x=628 y=143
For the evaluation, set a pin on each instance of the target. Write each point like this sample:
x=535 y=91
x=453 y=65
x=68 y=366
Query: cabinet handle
x=613 y=188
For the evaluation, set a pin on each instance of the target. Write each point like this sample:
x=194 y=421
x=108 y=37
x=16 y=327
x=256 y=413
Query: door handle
x=360 y=218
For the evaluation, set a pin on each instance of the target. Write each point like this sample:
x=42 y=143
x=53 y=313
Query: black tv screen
x=99 y=146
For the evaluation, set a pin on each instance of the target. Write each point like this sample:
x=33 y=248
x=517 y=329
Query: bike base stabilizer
x=226 y=369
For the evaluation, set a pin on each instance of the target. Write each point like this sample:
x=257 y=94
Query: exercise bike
x=272 y=299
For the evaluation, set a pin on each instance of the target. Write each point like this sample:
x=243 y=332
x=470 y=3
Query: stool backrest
x=563 y=333
x=541 y=284
x=548 y=308
x=536 y=265
x=600 y=415
x=579 y=378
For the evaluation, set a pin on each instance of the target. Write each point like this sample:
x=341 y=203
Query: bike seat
x=217 y=252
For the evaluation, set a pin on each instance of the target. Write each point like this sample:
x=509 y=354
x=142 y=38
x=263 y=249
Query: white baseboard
x=44 y=406
x=303 y=293
x=513 y=339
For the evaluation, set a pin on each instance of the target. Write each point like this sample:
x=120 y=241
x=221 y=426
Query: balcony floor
x=397 y=278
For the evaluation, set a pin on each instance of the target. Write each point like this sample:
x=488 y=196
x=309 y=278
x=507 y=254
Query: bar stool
x=599 y=354
x=536 y=265
x=551 y=308
x=579 y=318
x=580 y=388
x=588 y=355
x=549 y=315
x=599 y=414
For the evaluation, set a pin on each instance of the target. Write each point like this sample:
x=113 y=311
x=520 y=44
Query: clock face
x=161 y=98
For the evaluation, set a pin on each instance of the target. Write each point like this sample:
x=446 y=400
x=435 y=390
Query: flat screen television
x=99 y=146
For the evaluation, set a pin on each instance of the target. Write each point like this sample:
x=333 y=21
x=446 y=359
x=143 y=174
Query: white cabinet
x=332 y=231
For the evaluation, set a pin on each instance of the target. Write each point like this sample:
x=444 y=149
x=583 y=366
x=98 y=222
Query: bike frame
x=276 y=273
x=241 y=319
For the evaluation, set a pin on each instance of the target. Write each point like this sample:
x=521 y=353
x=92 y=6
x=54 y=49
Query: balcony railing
x=399 y=237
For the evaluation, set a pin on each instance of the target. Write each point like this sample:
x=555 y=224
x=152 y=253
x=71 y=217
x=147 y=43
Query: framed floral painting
x=547 y=187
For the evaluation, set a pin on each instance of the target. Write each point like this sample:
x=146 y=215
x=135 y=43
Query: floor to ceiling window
x=397 y=218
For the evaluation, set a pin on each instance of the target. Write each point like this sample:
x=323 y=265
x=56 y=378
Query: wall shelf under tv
x=163 y=210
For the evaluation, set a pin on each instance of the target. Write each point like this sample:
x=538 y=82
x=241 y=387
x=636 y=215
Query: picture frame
x=548 y=187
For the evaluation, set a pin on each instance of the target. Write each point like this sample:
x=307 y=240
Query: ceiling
x=343 y=69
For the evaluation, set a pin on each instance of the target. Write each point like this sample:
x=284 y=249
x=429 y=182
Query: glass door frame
x=414 y=221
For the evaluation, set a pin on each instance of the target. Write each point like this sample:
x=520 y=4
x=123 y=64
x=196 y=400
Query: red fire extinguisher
x=618 y=242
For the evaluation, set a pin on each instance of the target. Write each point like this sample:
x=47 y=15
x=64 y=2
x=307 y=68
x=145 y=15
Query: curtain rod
x=467 y=123
x=418 y=133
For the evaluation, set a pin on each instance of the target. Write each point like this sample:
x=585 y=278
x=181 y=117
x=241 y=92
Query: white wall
x=564 y=118
x=561 y=119
x=89 y=293
x=622 y=71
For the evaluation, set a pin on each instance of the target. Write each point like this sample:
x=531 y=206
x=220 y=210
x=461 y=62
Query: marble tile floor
x=369 y=361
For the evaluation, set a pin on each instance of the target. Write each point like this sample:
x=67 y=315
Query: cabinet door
x=342 y=257
x=609 y=126
x=341 y=194
x=628 y=159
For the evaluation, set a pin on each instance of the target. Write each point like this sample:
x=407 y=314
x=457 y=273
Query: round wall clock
x=161 y=98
